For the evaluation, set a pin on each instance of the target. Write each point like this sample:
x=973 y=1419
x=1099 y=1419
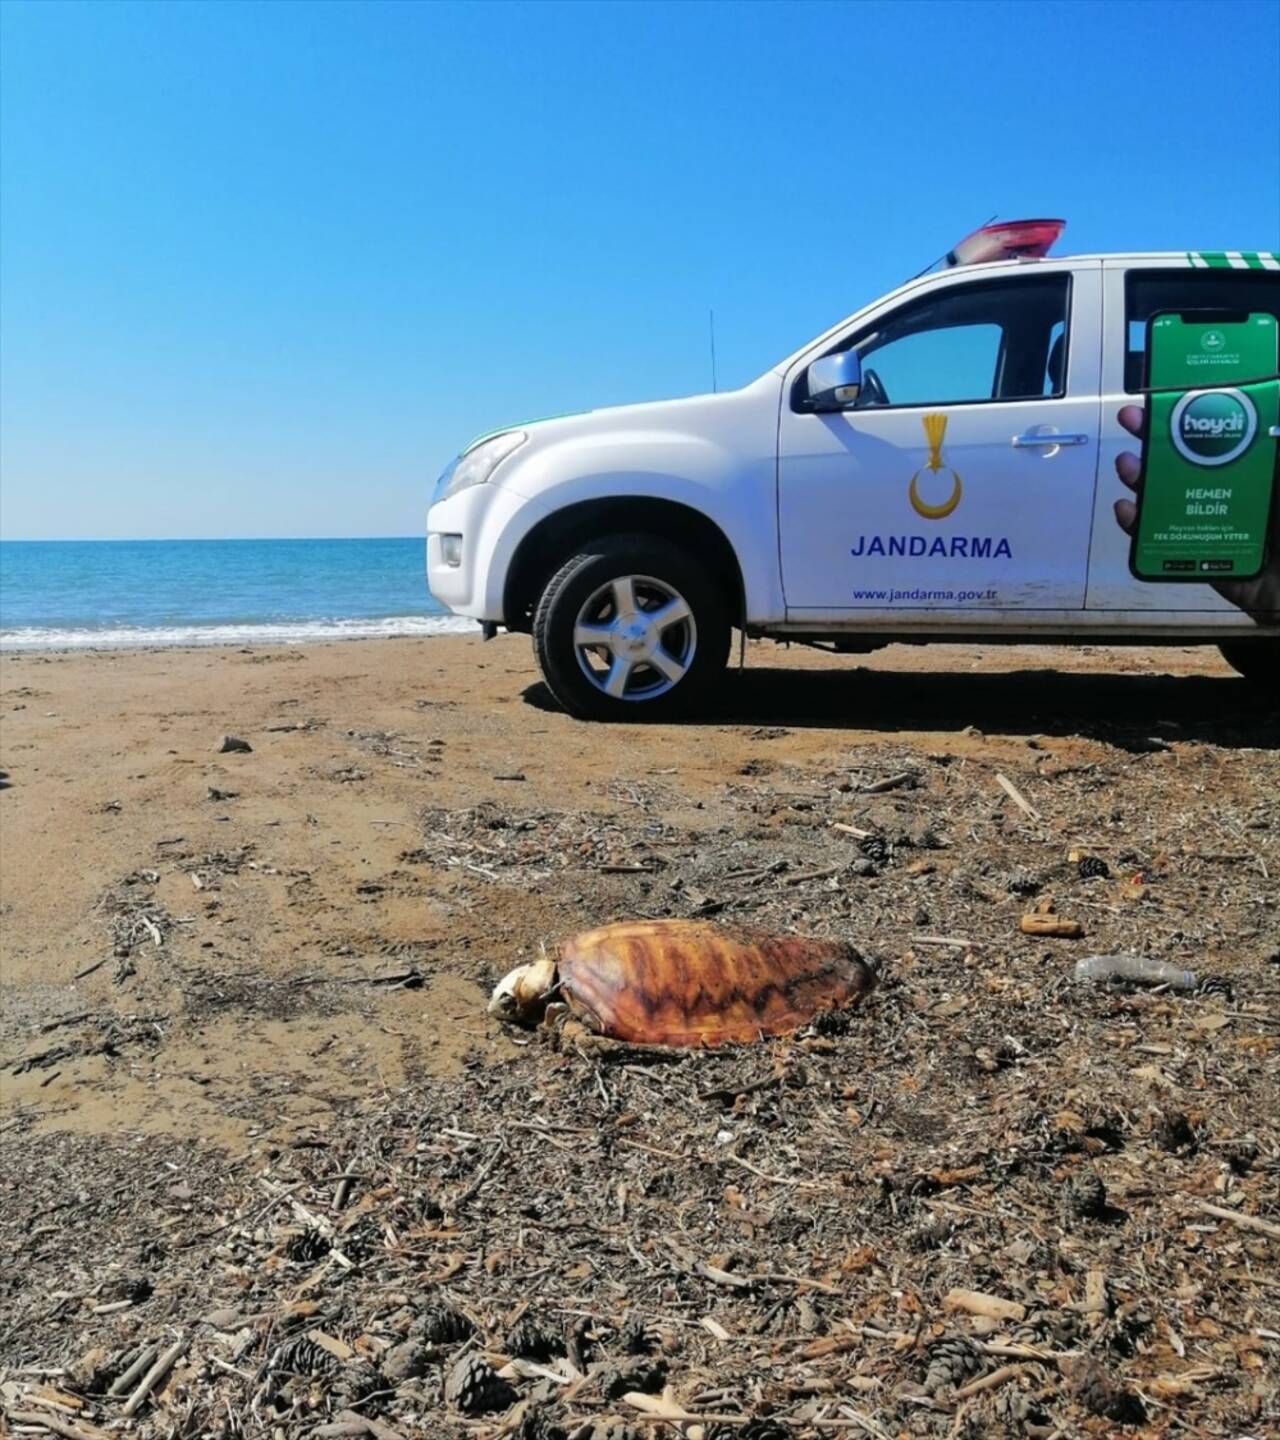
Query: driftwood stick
x=1245 y=1222
x=56 y=1425
x=1014 y=794
x=989 y=1382
x=154 y=1376
x=124 y=1380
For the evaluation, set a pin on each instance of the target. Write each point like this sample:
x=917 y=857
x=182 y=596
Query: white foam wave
x=281 y=632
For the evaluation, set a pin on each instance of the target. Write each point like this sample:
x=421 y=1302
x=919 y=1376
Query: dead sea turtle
x=684 y=982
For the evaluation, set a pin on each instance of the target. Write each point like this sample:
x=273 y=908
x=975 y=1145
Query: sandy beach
x=214 y=959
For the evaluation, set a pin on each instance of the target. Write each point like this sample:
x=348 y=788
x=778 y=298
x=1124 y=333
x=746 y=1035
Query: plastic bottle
x=1135 y=968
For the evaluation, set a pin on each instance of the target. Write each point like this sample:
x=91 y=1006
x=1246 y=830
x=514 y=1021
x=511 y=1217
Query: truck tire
x=1257 y=660
x=631 y=628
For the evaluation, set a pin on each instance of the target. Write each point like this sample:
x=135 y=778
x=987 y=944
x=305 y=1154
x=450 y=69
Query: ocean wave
x=268 y=632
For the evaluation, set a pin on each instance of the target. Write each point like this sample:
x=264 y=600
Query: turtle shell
x=689 y=982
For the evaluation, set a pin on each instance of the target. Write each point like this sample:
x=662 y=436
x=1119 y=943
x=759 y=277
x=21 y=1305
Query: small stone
x=233 y=745
x=228 y=1318
x=128 y=1286
x=92 y=1372
x=405 y=1361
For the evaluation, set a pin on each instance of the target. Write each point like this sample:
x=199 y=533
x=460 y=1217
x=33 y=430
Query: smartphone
x=1209 y=454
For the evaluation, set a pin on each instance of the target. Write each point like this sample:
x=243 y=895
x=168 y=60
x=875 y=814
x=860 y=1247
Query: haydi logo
x=1212 y=427
x=1212 y=340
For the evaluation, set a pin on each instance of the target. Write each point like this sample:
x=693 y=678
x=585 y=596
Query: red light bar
x=1006 y=240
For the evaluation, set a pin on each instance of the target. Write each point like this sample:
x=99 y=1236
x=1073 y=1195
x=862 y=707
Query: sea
x=116 y=594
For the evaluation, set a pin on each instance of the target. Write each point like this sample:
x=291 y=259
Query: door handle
x=1047 y=439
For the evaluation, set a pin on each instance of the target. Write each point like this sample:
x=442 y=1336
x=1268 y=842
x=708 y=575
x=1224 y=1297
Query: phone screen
x=1209 y=454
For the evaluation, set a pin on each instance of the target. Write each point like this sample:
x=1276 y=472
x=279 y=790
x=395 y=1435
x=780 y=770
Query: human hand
x=1260 y=598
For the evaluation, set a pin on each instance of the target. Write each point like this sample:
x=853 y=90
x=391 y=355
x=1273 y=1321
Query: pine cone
x=616 y=1430
x=438 y=1323
x=129 y=1285
x=1216 y=985
x=530 y=1341
x=637 y=1338
x=1091 y=868
x=475 y=1387
x=308 y=1246
x=1014 y=1408
x=1099 y=1394
x=1056 y=1328
x=354 y=1383
x=537 y=1424
x=1086 y=1196
x=952 y=1361
x=302 y=1356
x=763 y=1429
x=1241 y=1154
x=875 y=847
x=1024 y=885
x=1173 y=1132
x=831 y=1022
x=641 y=1373
x=928 y=1236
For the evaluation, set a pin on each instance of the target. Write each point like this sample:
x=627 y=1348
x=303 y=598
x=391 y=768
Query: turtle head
x=520 y=998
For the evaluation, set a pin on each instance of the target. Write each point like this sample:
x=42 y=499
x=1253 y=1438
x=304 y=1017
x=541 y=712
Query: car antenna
x=945 y=253
x=712 y=314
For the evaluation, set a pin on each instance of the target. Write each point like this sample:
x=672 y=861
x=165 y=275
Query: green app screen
x=1209 y=459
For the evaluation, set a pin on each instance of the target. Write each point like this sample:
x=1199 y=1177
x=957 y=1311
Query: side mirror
x=834 y=381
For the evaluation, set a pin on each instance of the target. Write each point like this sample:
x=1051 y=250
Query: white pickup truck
x=939 y=466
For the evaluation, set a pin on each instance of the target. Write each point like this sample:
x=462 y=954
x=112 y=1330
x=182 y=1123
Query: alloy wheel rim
x=635 y=638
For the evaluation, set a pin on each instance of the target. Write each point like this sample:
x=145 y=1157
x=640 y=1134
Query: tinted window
x=1149 y=291
x=986 y=341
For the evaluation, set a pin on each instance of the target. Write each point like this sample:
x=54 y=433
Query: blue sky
x=266 y=266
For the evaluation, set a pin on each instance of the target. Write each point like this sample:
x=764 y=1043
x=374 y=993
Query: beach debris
x=826 y=1198
x=685 y=982
x=233 y=745
x=1135 y=969
x=1044 y=920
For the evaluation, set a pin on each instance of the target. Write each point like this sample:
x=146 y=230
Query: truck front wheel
x=631 y=628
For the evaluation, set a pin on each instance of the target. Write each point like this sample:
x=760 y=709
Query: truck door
x=1133 y=291
x=963 y=481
